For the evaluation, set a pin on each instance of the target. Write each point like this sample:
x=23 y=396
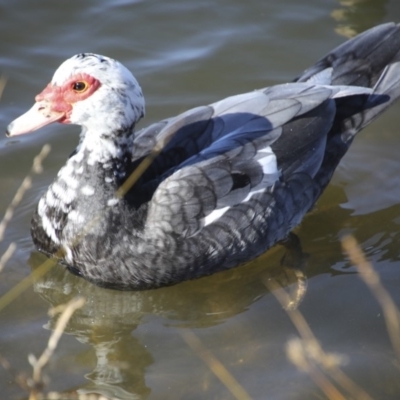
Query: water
x=184 y=54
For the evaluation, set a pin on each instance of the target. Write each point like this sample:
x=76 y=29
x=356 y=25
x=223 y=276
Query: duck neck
x=84 y=189
x=105 y=149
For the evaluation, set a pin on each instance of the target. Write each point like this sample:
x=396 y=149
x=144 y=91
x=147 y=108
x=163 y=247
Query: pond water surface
x=134 y=345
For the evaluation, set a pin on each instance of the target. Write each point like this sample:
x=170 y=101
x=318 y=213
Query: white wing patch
x=214 y=215
x=269 y=165
x=267 y=159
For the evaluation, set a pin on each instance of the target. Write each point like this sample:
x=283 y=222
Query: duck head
x=90 y=90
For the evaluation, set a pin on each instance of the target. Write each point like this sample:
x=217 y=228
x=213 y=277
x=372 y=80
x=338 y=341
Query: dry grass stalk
x=25 y=185
x=25 y=283
x=309 y=356
x=371 y=278
x=38 y=364
x=298 y=352
x=7 y=255
x=3 y=81
x=215 y=365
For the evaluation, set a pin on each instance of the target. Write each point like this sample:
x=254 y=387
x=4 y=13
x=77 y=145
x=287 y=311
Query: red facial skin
x=63 y=97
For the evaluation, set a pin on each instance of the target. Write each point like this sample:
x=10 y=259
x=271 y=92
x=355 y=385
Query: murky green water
x=187 y=53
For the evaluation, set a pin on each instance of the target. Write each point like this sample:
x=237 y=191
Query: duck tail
x=371 y=59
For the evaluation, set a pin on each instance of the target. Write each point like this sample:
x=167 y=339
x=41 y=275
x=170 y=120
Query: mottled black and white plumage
x=226 y=182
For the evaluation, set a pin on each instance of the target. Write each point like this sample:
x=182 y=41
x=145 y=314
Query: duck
x=209 y=189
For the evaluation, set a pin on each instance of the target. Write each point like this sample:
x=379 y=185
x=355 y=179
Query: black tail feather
x=361 y=60
x=371 y=59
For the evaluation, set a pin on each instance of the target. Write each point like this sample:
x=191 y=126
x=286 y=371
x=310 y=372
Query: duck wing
x=240 y=147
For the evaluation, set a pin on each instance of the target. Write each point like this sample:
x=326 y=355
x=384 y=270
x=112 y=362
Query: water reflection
x=355 y=16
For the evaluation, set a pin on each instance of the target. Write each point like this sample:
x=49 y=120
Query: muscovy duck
x=210 y=188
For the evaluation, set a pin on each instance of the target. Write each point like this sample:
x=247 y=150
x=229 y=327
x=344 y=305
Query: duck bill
x=38 y=116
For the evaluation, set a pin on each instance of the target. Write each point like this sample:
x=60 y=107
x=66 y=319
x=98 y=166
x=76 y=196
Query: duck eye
x=79 y=86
